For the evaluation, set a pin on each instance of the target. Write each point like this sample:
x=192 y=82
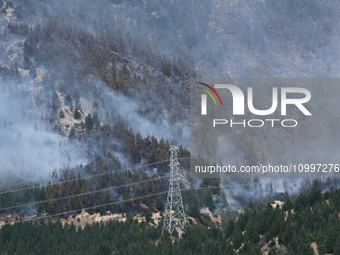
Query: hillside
x=93 y=93
x=296 y=227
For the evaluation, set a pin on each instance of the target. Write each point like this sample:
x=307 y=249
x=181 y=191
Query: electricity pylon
x=174 y=212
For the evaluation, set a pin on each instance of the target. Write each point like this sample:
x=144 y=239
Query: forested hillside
x=307 y=219
x=92 y=95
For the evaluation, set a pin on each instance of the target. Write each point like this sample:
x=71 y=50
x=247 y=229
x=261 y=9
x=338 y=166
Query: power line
x=84 y=178
x=121 y=186
x=128 y=200
x=126 y=169
x=113 y=203
x=87 y=177
x=83 y=194
x=102 y=205
x=84 y=209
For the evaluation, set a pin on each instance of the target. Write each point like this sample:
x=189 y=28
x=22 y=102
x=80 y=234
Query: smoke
x=129 y=110
x=217 y=38
x=227 y=39
x=29 y=148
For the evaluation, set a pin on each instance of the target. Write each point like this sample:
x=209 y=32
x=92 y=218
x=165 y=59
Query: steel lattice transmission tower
x=174 y=212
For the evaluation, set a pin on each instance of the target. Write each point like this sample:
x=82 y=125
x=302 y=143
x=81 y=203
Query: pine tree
x=331 y=233
x=16 y=69
x=229 y=229
x=68 y=101
x=300 y=243
x=78 y=107
x=336 y=247
x=148 y=216
x=55 y=100
x=33 y=71
x=95 y=118
x=237 y=238
x=61 y=114
x=72 y=134
x=160 y=204
x=77 y=114
x=173 y=117
x=210 y=201
x=88 y=122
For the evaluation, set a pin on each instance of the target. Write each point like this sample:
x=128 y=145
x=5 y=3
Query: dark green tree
x=88 y=122
x=148 y=216
x=77 y=114
x=194 y=211
x=160 y=204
